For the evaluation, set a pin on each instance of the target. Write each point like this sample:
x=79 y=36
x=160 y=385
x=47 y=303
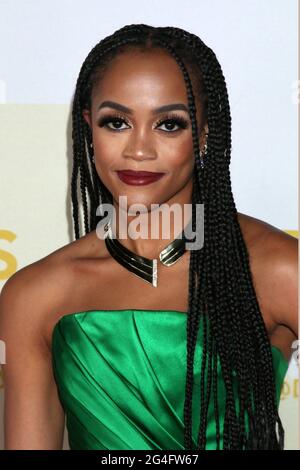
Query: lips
x=138 y=177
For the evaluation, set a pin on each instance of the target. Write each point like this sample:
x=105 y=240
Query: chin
x=136 y=202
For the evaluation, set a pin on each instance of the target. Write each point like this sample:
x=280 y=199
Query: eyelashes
x=169 y=119
x=174 y=118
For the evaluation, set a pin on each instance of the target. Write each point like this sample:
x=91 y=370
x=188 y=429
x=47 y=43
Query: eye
x=116 y=120
x=170 y=121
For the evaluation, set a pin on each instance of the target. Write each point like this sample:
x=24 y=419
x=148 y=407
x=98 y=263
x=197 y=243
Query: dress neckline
x=83 y=312
x=156 y=311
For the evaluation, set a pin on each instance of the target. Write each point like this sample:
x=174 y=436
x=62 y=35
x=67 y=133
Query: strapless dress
x=120 y=376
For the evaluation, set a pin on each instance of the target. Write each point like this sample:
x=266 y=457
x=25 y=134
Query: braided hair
x=222 y=303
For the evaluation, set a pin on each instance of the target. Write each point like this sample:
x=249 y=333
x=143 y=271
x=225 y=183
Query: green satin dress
x=121 y=376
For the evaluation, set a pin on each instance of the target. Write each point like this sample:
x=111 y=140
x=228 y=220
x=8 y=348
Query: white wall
x=42 y=46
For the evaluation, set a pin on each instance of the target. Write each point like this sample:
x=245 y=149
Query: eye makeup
x=170 y=118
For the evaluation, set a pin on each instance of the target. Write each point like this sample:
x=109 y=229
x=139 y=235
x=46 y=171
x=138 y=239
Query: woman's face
x=141 y=138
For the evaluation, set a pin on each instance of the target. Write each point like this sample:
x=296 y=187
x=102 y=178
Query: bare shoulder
x=273 y=255
x=32 y=295
x=257 y=231
x=274 y=252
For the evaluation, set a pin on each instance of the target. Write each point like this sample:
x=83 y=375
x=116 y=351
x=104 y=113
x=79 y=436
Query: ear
x=87 y=116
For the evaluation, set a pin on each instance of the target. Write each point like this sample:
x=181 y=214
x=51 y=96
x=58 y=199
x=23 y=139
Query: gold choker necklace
x=141 y=266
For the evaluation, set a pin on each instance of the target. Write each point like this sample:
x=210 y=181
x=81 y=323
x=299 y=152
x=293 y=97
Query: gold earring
x=203 y=153
x=93 y=156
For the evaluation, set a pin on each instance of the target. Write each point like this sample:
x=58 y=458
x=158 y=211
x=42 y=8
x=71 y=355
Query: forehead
x=142 y=78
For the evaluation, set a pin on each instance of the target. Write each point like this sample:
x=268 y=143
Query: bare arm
x=285 y=282
x=281 y=270
x=33 y=415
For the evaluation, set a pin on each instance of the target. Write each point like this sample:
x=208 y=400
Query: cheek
x=179 y=157
x=106 y=153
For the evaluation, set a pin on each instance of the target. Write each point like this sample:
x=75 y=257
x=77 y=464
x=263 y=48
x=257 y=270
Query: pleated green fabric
x=121 y=379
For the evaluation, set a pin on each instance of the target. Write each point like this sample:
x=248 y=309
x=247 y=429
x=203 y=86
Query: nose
x=139 y=147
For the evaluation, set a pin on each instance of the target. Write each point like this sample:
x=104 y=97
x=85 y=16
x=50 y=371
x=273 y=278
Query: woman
x=192 y=354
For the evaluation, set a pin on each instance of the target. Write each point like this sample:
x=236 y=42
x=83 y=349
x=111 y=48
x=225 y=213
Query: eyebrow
x=160 y=109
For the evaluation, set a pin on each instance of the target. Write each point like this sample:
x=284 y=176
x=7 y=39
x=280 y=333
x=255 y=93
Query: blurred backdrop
x=42 y=47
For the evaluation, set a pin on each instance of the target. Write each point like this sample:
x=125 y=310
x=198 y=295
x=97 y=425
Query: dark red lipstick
x=137 y=178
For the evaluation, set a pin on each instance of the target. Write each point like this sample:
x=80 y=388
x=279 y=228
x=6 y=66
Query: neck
x=148 y=233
